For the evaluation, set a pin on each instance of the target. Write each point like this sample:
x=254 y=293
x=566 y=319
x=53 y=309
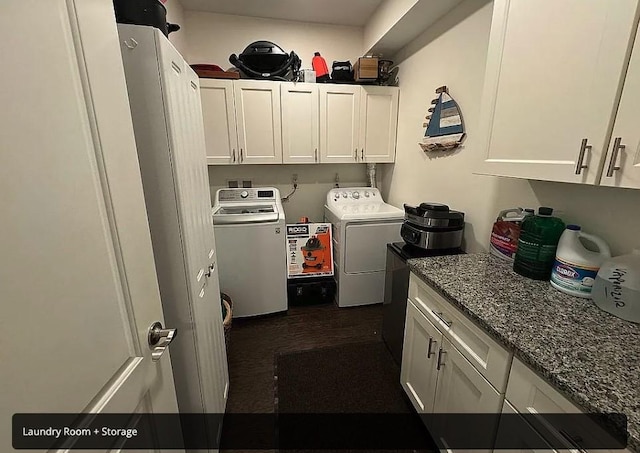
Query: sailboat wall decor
x=445 y=128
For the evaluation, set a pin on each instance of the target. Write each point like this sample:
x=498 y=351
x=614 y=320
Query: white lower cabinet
x=439 y=380
x=451 y=366
x=419 y=355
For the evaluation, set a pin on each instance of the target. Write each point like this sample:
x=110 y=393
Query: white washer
x=249 y=226
x=363 y=224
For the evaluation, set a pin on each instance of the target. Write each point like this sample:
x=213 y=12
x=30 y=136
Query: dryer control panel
x=354 y=195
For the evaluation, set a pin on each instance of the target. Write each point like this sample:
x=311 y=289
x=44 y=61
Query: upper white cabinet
x=242 y=121
x=258 y=117
x=554 y=72
x=340 y=123
x=378 y=123
x=300 y=129
x=266 y=122
x=219 y=115
x=622 y=166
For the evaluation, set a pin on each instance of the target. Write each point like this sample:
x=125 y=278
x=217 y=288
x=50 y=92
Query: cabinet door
x=259 y=125
x=419 y=354
x=300 y=130
x=219 y=115
x=622 y=167
x=462 y=390
x=378 y=123
x=339 y=123
x=553 y=74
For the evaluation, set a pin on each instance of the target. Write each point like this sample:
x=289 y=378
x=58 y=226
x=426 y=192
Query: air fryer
x=313 y=252
x=266 y=60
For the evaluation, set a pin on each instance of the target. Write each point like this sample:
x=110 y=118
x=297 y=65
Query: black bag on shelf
x=342 y=71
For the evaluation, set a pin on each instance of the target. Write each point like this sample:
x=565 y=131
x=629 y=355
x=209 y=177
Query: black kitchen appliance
x=432 y=226
x=144 y=12
x=396 y=291
x=266 y=60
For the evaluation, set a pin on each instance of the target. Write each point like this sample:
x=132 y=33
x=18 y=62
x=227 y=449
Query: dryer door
x=365 y=248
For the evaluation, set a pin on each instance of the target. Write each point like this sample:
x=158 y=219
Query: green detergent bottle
x=537 y=244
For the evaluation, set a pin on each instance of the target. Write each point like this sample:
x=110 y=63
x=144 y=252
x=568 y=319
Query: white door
x=378 y=123
x=339 y=123
x=419 y=375
x=553 y=74
x=259 y=125
x=622 y=166
x=461 y=390
x=219 y=114
x=300 y=133
x=78 y=275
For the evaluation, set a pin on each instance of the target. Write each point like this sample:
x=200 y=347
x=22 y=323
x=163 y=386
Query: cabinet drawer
x=490 y=358
x=530 y=394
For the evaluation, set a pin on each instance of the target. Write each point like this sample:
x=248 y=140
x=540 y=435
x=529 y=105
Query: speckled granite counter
x=590 y=356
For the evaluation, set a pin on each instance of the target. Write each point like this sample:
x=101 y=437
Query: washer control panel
x=248 y=194
x=354 y=195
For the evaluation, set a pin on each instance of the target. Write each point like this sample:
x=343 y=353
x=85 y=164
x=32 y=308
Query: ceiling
x=337 y=12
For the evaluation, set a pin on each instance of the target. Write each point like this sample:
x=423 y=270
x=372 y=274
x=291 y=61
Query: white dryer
x=250 y=235
x=363 y=224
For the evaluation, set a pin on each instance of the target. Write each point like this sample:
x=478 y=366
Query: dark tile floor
x=254 y=343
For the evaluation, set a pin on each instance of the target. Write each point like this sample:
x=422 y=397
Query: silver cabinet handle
x=233 y=155
x=614 y=156
x=441 y=317
x=573 y=442
x=429 y=352
x=440 y=363
x=159 y=339
x=316 y=153
x=356 y=152
x=362 y=153
x=584 y=147
x=241 y=156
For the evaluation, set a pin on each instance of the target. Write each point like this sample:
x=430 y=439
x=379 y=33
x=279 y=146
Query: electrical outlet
x=246 y=184
x=232 y=184
x=294 y=178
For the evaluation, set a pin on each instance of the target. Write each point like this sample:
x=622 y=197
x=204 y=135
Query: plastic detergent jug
x=539 y=236
x=575 y=268
x=617 y=286
x=506 y=231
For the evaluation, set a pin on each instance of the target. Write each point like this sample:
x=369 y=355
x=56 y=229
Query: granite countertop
x=590 y=356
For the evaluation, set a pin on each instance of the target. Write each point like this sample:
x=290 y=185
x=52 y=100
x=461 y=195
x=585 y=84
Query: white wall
x=212 y=37
x=385 y=16
x=314 y=181
x=175 y=15
x=453 y=53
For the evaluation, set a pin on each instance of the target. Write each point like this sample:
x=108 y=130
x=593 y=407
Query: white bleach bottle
x=576 y=267
x=617 y=286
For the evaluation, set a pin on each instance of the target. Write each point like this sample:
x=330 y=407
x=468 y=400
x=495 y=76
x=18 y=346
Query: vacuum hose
x=371 y=172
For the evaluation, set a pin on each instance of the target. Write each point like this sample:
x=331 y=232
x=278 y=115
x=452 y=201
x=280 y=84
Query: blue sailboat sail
x=445 y=129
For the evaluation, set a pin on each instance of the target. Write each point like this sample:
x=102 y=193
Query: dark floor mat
x=345 y=398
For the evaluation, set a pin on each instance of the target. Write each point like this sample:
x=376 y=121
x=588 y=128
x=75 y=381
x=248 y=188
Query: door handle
x=356 y=153
x=210 y=269
x=362 y=153
x=159 y=339
x=429 y=352
x=440 y=363
x=233 y=155
x=241 y=156
x=614 y=156
x=584 y=146
x=316 y=153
